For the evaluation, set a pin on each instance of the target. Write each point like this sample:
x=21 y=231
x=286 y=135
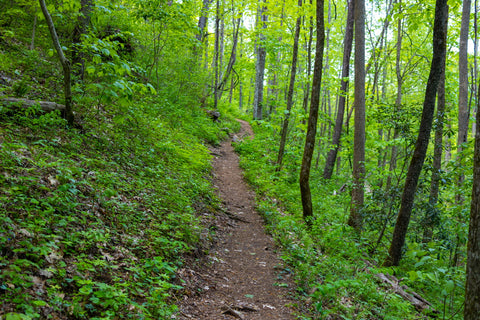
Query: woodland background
x=102 y=200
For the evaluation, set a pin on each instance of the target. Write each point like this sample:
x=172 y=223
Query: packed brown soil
x=242 y=276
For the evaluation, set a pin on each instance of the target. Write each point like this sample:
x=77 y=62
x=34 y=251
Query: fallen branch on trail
x=414 y=298
x=46 y=106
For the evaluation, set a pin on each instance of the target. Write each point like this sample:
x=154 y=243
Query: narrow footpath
x=243 y=277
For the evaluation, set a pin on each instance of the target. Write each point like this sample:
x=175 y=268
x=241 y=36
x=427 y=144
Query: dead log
x=414 y=298
x=46 y=106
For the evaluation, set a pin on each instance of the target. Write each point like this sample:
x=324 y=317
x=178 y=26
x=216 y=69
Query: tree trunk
x=293 y=73
x=472 y=286
x=260 y=66
x=222 y=40
x=463 y=109
x=313 y=117
x=78 y=59
x=430 y=218
x=67 y=113
x=355 y=219
x=231 y=61
x=216 y=56
x=398 y=100
x=418 y=158
x=309 y=64
x=337 y=133
x=202 y=21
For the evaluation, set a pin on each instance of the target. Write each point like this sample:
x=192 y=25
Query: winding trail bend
x=243 y=277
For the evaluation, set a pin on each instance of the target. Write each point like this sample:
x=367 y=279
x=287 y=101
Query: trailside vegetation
x=98 y=212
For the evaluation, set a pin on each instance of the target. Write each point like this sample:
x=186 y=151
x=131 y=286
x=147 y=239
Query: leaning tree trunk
x=67 y=112
x=293 y=73
x=418 y=158
x=313 y=117
x=472 y=286
x=355 y=219
x=337 y=133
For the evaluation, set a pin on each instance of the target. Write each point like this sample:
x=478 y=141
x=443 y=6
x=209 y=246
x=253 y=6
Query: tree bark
x=293 y=73
x=472 y=286
x=418 y=158
x=313 y=117
x=216 y=56
x=78 y=59
x=202 y=21
x=337 y=133
x=430 y=218
x=46 y=106
x=260 y=66
x=309 y=64
x=355 y=219
x=67 y=113
x=398 y=100
x=463 y=108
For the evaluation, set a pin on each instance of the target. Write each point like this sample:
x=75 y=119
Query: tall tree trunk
x=355 y=219
x=67 y=113
x=272 y=93
x=202 y=21
x=418 y=158
x=463 y=109
x=222 y=40
x=313 y=117
x=398 y=100
x=260 y=66
x=475 y=55
x=337 y=133
x=309 y=64
x=472 y=286
x=430 y=218
x=293 y=73
x=216 y=56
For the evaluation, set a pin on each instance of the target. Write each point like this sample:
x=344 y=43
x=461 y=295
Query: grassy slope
x=94 y=222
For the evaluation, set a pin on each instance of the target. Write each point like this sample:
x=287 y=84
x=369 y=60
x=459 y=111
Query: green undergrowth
x=94 y=221
x=334 y=273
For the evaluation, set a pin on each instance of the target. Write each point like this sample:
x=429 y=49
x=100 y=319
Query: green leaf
x=17 y=316
x=39 y=303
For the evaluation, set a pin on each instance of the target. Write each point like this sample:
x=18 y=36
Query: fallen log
x=414 y=298
x=46 y=106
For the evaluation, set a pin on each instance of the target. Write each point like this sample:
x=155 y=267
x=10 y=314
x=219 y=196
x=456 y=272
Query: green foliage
x=95 y=220
x=333 y=267
x=94 y=223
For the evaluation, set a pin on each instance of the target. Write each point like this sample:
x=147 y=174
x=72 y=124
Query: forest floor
x=242 y=276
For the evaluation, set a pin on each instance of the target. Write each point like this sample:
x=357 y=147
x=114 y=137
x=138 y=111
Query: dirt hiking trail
x=242 y=277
